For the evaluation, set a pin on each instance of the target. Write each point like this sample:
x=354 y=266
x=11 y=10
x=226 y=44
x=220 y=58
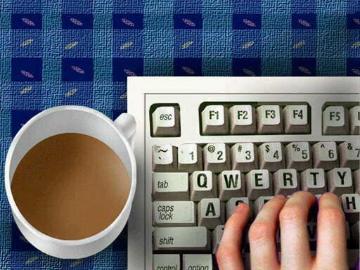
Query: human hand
x=292 y=216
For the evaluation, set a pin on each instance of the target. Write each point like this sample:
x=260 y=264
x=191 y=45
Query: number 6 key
x=325 y=155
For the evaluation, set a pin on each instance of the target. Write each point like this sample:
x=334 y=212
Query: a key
x=216 y=237
x=211 y=212
x=356 y=181
x=197 y=261
x=174 y=213
x=181 y=238
x=286 y=181
x=298 y=156
x=259 y=203
x=242 y=119
x=164 y=158
x=233 y=203
x=166 y=121
x=351 y=206
x=296 y=119
x=170 y=186
x=355 y=120
x=335 y=120
x=190 y=157
x=202 y=185
x=244 y=157
x=216 y=157
x=214 y=120
x=271 y=156
x=231 y=184
x=325 y=155
x=258 y=183
x=166 y=261
x=349 y=155
x=340 y=181
x=313 y=180
x=269 y=119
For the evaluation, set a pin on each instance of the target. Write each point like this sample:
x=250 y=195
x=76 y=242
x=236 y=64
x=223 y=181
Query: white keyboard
x=204 y=144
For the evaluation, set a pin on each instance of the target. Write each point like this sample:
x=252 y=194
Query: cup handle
x=127 y=125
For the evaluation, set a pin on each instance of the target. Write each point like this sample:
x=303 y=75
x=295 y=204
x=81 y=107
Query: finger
x=331 y=232
x=262 y=235
x=228 y=255
x=295 y=250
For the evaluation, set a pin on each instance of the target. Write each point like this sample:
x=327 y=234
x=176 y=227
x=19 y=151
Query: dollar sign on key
x=267 y=148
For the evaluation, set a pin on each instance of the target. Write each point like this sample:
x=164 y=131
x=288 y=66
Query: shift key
x=181 y=238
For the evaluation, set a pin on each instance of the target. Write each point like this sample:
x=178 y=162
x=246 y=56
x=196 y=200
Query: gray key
x=197 y=261
x=170 y=186
x=269 y=119
x=166 y=261
x=356 y=181
x=242 y=119
x=214 y=120
x=211 y=212
x=202 y=185
x=233 y=203
x=313 y=180
x=244 y=157
x=258 y=183
x=296 y=119
x=340 y=181
x=351 y=206
x=271 y=156
x=181 y=238
x=174 y=213
x=216 y=237
x=298 y=156
x=259 y=203
x=286 y=181
x=335 y=120
x=166 y=121
x=349 y=155
x=325 y=155
x=216 y=157
x=355 y=120
x=231 y=184
x=164 y=158
x=190 y=157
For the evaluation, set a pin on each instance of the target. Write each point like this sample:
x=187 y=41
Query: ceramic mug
x=116 y=134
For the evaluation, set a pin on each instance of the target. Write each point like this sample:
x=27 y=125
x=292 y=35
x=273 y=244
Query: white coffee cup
x=73 y=119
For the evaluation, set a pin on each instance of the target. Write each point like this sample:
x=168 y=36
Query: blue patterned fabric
x=55 y=52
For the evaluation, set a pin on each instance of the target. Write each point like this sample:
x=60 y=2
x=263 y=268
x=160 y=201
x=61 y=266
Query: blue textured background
x=55 y=52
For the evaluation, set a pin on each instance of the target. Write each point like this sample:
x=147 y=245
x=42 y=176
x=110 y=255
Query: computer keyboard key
x=356 y=180
x=269 y=119
x=216 y=157
x=173 y=186
x=259 y=203
x=335 y=120
x=190 y=157
x=181 y=239
x=164 y=158
x=286 y=181
x=296 y=119
x=350 y=155
x=351 y=206
x=166 y=121
x=313 y=180
x=298 y=156
x=325 y=155
x=244 y=157
x=211 y=212
x=202 y=185
x=214 y=120
x=174 y=213
x=197 y=261
x=242 y=119
x=340 y=181
x=166 y=261
x=271 y=156
x=233 y=203
x=216 y=237
x=355 y=120
x=231 y=184
x=258 y=183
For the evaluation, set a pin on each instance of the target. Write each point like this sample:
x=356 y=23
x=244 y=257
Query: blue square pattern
x=82 y=51
x=26 y=69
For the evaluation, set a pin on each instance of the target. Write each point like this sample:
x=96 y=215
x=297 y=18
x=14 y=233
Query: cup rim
x=15 y=209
